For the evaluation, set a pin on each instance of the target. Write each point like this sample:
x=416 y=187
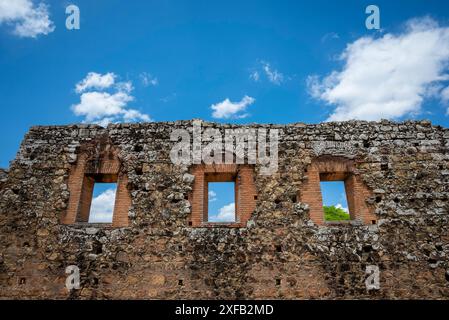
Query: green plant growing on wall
x=332 y=213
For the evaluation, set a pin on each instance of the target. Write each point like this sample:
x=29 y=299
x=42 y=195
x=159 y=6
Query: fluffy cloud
x=227 y=109
x=26 y=19
x=95 y=80
x=95 y=105
x=387 y=77
x=102 y=207
x=226 y=214
x=102 y=107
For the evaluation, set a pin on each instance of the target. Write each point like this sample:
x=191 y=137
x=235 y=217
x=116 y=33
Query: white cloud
x=339 y=206
x=212 y=196
x=226 y=214
x=103 y=107
x=227 y=109
x=124 y=86
x=95 y=105
x=95 y=80
x=387 y=77
x=27 y=19
x=265 y=68
x=273 y=75
x=102 y=207
x=134 y=115
x=148 y=80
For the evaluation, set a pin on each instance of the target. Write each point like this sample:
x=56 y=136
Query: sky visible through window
x=334 y=194
x=221 y=204
x=103 y=200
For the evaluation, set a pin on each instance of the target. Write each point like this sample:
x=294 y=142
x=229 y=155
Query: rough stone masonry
x=160 y=246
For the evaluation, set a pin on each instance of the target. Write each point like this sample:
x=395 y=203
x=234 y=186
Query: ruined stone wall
x=282 y=252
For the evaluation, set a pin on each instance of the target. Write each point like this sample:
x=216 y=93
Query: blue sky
x=275 y=62
x=334 y=194
x=221 y=204
x=103 y=200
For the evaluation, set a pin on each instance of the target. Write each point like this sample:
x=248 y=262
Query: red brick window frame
x=83 y=176
x=336 y=169
x=245 y=193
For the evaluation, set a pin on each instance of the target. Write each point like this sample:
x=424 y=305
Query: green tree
x=331 y=213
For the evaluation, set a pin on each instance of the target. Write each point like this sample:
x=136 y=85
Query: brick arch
x=331 y=168
x=97 y=162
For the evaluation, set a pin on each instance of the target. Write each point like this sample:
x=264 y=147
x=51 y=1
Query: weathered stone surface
x=281 y=253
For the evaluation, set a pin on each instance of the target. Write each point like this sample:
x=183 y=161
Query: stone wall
x=282 y=252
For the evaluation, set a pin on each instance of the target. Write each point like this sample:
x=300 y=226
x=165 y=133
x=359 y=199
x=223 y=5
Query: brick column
x=86 y=199
x=311 y=194
x=75 y=186
x=122 y=203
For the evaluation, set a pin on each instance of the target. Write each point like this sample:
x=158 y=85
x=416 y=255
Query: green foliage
x=331 y=213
